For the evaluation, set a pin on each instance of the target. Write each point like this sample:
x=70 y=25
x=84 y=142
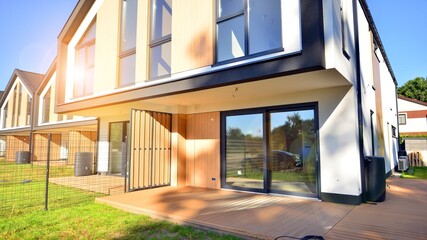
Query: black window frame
x=266 y=125
x=153 y=43
x=126 y=53
x=398 y=118
x=245 y=13
x=344 y=29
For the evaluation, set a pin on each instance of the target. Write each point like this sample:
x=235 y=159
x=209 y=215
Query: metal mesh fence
x=56 y=170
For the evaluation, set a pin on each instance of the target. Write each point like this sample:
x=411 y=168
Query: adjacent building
x=28 y=118
x=413 y=125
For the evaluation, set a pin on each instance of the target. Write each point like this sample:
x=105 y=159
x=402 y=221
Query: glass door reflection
x=245 y=151
x=292 y=152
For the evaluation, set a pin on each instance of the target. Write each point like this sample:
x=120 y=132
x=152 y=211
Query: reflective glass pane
x=265 y=25
x=127 y=70
x=128 y=31
x=88 y=88
x=228 y=7
x=118 y=134
x=231 y=39
x=90 y=58
x=161 y=18
x=161 y=60
x=89 y=35
x=292 y=157
x=79 y=72
x=245 y=151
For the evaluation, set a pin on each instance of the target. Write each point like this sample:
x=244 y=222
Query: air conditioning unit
x=403 y=164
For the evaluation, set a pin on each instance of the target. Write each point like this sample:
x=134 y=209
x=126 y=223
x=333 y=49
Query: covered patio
x=401 y=216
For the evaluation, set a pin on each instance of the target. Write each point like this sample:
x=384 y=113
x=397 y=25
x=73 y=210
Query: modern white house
x=277 y=96
x=413 y=125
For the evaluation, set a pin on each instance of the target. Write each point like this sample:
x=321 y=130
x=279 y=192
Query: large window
x=271 y=150
x=85 y=61
x=160 y=40
x=248 y=27
x=128 y=42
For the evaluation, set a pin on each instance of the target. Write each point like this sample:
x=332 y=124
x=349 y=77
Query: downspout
x=359 y=100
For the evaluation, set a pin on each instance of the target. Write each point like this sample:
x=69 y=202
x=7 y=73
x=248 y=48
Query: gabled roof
x=31 y=81
x=412 y=100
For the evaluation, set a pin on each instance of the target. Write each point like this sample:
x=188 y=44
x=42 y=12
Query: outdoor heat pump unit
x=403 y=164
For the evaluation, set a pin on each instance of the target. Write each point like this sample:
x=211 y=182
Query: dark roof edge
x=412 y=100
x=16 y=72
x=370 y=19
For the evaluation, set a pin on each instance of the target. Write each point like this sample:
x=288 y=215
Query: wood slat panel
x=151 y=136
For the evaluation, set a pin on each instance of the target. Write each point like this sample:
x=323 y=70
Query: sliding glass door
x=271 y=150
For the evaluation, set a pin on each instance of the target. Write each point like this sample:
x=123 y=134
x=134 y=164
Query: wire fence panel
x=55 y=170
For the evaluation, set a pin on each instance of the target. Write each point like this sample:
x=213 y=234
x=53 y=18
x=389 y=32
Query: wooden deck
x=402 y=216
x=105 y=184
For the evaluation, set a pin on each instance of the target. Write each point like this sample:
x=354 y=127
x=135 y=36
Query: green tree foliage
x=415 y=89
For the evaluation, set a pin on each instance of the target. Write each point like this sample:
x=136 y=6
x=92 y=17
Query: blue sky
x=28 y=34
x=402 y=26
x=29 y=30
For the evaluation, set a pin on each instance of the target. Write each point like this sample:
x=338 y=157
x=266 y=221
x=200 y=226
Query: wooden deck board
x=270 y=216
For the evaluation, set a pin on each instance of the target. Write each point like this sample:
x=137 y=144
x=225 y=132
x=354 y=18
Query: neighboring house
x=413 y=125
x=28 y=118
x=286 y=97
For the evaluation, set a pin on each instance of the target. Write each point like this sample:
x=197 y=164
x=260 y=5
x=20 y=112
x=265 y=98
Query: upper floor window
x=4 y=119
x=29 y=104
x=160 y=38
x=85 y=61
x=402 y=119
x=248 y=27
x=128 y=42
x=46 y=107
x=345 y=31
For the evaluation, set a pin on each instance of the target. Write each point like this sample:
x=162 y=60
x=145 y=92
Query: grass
x=95 y=221
x=72 y=214
x=415 y=173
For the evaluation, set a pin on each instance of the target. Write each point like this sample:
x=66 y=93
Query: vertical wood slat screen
x=150 y=149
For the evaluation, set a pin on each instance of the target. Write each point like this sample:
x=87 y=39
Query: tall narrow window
x=46 y=107
x=248 y=27
x=160 y=41
x=19 y=105
x=85 y=60
x=29 y=104
x=128 y=42
x=345 y=31
x=4 y=116
x=15 y=95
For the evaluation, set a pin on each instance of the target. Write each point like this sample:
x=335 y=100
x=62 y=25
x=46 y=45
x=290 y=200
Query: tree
x=415 y=89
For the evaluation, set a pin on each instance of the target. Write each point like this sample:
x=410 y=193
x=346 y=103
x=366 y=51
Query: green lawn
x=95 y=221
x=415 y=173
x=72 y=214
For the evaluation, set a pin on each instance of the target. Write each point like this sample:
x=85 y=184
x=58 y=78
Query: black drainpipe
x=359 y=100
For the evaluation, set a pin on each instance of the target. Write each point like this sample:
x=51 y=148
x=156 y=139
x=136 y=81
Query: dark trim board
x=341 y=198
